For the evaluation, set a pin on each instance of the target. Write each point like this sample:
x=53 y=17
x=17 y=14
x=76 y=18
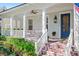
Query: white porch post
x=43 y=21
x=44 y=29
x=24 y=25
x=76 y=28
x=11 y=27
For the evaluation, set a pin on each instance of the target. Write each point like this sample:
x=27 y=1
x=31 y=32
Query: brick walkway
x=54 y=49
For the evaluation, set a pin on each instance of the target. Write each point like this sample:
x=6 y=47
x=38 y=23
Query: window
x=30 y=23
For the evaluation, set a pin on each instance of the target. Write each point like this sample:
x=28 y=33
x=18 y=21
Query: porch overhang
x=26 y=8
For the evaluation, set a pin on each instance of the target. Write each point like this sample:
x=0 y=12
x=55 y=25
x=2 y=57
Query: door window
x=65 y=25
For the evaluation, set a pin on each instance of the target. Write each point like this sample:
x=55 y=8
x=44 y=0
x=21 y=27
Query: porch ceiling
x=60 y=7
x=26 y=8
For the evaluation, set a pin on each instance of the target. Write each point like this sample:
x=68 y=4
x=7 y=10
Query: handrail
x=41 y=37
x=40 y=43
x=77 y=42
x=69 y=44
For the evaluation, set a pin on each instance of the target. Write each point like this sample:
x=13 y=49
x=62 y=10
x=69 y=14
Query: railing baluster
x=40 y=43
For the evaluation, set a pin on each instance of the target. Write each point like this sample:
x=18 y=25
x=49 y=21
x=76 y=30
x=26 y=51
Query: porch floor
x=33 y=36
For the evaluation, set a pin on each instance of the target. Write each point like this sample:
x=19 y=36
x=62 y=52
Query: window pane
x=30 y=24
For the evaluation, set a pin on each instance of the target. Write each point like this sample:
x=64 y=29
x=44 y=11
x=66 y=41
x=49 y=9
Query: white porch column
x=11 y=27
x=24 y=25
x=43 y=21
x=76 y=28
x=44 y=29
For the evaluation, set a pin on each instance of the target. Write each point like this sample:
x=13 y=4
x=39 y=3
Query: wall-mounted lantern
x=55 y=19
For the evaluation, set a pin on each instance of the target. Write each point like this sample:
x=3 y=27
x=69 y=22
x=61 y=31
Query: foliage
x=17 y=46
x=2 y=38
x=6 y=51
x=21 y=46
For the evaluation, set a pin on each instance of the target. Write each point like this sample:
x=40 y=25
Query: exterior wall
x=18 y=25
x=37 y=22
x=5 y=26
x=56 y=27
x=18 y=21
x=53 y=27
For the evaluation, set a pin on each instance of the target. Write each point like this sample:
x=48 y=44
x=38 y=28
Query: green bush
x=6 y=51
x=18 y=46
x=2 y=38
x=22 y=46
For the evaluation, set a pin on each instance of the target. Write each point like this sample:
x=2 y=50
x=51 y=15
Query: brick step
x=53 y=40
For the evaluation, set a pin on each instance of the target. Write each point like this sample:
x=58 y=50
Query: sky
x=8 y=5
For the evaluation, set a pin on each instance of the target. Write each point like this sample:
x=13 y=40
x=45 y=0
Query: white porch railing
x=5 y=32
x=40 y=43
x=18 y=33
x=28 y=33
x=69 y=44
x=76 y=40
x=35 y=33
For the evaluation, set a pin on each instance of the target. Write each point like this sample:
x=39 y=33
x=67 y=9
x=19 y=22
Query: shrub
x=2 y=38
x=6 y=51
x=21 y=46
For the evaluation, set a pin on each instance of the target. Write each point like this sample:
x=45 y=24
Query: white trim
x=76 y=35
x=43 y=21
x=11 y=28
x=24 y=25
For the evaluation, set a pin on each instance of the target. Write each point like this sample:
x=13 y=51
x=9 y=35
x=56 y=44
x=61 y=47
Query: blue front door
x=65 y=25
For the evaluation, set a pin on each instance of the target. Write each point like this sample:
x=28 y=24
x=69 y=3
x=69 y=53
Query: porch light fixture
x=55 y=19
x=34 y=12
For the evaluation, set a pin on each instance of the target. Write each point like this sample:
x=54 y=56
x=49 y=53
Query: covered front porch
x=41 y=23
x=30 y=24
